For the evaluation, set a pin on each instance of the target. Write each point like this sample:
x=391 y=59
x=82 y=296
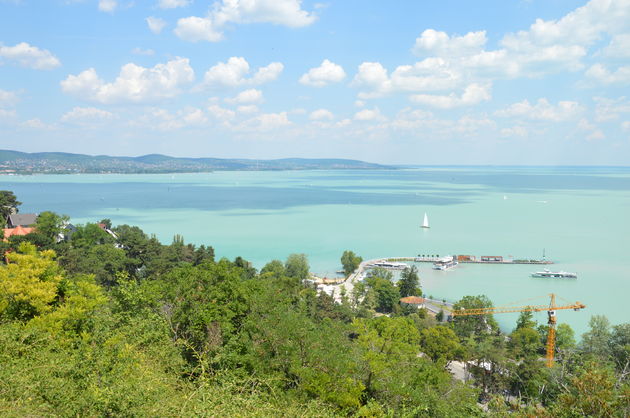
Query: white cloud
x=619 y=47
x=172 y=4
x=155 y=24
x=610 y=109
x=442 y=45
x=37 y=124
x=29 y=56
x=235 y=71
x=86 y=115
x=601 y=74
x=514 y=131
x=625 y=126
x=134 y=83
x=542 y=110
x=140 y=51
x=368 y=114
x=473 y=94
x=265 y=122
x=194 y=29
x=247 y=96
x=107 y=5
x=321 y=114
x=210 y=28
x=593 y=132
x=7 y=98
x=328 y=72
x=430 y=74
x=164 y=120
x=221 y=113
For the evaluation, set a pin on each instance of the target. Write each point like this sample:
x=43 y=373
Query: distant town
x=15 y=162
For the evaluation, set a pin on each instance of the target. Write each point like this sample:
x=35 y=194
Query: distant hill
x=61 y=162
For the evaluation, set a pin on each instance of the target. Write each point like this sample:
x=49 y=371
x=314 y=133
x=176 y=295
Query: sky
x=530 y=82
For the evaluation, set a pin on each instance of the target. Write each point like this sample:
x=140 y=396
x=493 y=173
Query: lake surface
x=579 y=216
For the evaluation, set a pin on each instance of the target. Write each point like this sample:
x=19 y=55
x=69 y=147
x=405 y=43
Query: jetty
x=484 y=259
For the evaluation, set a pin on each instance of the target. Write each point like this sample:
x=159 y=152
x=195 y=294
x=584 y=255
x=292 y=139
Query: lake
x=577 y=215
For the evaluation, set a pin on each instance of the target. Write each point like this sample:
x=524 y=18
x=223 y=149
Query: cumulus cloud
x=328 y=72
x=431 y=74
x=625 y=126
x=619 y=47
x=86 y=115
x=601 y=74
x=472 y=95
x=7 y=114
x=368 y=114
x=236 y=72
x=172 y=4
x=164 y=120
x=220 y=113
x=264 y=122
x=156 y=25
x=134 y=83
x=247 y=97
x=542 y=110
x=108 y=6
x=321 y=114
x=247 y=109
x=29 y=56
x=442 y=45
x=210 y=28
x=593 y=133
x=514 y=131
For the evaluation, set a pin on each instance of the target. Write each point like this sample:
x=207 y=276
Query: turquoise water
x=578 y=215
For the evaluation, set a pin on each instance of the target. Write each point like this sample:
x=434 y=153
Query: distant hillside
x=61 y=162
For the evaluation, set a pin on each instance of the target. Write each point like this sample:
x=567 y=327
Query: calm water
x=578 y=215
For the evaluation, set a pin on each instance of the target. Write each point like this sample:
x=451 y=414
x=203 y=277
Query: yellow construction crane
x=551 y=312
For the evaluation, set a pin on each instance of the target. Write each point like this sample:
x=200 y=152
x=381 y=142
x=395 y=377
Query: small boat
x=554 y=274
x=425 y=222
x=445 y=263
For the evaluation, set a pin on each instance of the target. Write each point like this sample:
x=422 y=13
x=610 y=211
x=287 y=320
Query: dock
x=484 y=259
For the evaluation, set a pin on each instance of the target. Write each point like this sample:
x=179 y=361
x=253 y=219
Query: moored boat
x=554 y=274
x=445 y=263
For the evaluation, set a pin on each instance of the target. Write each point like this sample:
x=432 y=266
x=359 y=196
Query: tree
x=274 y=268
x=385 y=292
x=29 y=283
x=595 y=341
x=51 y=225
x=524 y=342
x=350 y=262
x=409 y=283
x=441 y=342
x=525 y=320
x=297 y=267
x=8 y=205
x=474 y=325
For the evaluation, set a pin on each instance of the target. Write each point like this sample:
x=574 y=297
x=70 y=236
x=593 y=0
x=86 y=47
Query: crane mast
x=551 y=309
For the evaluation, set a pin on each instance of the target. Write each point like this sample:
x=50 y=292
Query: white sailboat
x=425 y=223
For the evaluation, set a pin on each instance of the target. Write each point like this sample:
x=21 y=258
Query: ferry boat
x=445 y=263
x=389 y=265
x=555 y=274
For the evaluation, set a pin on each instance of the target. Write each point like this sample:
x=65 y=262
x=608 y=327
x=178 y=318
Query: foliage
x=350 y=262
x=51 y=225
x=478 y=326
x=8 y=204
x=297 y=267
x=409 y=283
x=441 y=343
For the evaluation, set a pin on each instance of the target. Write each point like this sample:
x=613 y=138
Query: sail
x=425 y=223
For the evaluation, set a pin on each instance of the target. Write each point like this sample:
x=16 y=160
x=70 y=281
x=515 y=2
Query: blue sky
x=449 y=82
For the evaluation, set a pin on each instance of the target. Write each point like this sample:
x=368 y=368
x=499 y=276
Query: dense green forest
x=116 y=323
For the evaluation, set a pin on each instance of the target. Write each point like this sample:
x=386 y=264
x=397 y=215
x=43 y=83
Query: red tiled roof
x=412 y=300
x=18 y=230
